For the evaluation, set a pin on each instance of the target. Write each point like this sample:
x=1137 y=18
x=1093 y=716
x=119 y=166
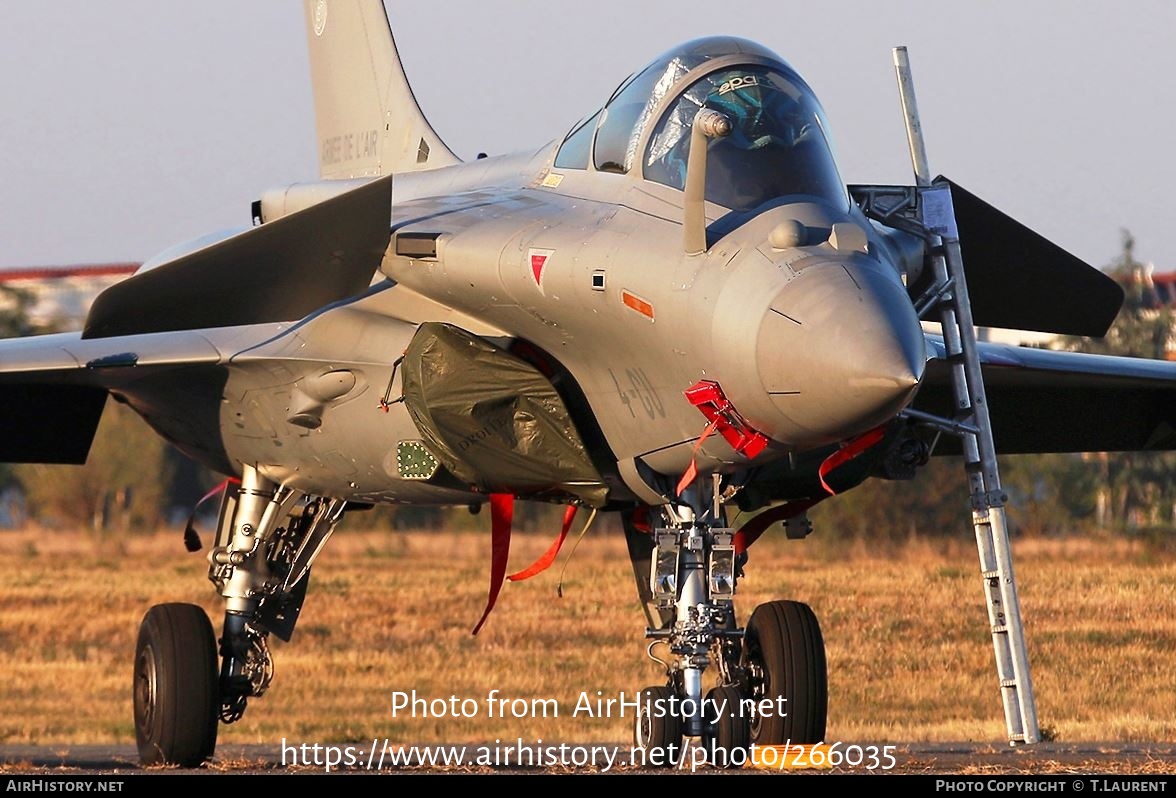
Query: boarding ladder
x=929 y=210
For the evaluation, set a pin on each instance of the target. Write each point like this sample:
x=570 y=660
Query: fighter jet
x=676 y=308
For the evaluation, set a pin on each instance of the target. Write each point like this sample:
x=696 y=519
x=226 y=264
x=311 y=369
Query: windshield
x=627 y=113
x=778 y=145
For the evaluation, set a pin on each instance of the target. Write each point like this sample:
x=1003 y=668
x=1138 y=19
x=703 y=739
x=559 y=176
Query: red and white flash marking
x=537 y=258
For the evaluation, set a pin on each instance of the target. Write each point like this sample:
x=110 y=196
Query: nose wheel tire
x=657 y=731
x=726 y=731
x=784 y=656
x=176 y=686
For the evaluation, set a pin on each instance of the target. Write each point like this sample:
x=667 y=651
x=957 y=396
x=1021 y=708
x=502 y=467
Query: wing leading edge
x=53 y=387
x=1046 y=401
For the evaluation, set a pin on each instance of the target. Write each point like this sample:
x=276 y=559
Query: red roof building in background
x=1165 y=285
x=60 y=296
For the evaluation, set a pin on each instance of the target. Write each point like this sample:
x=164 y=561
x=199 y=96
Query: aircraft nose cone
x=840 y=352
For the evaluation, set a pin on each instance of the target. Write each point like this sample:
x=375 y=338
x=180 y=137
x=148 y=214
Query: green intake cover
x=493 y=420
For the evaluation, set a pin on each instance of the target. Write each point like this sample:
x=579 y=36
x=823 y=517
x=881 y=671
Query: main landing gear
x=772 y=682
x=185 y=684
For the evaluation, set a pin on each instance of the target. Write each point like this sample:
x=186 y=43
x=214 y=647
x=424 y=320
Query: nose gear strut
x=775 y=667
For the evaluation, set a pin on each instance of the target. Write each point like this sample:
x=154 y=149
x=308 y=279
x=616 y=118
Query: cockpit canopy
x=778 y=147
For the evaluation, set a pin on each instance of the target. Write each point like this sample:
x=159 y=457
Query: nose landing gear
x=772 y=681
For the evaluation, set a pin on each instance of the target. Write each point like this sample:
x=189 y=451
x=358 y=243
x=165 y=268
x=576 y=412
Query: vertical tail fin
x=368 y=120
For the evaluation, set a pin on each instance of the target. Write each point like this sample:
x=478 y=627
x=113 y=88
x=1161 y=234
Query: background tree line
x=125 y=484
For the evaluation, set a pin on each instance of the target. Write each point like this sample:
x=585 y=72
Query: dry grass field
x=909 y=653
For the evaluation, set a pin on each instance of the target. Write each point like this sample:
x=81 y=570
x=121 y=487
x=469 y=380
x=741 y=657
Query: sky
x=132 y=125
